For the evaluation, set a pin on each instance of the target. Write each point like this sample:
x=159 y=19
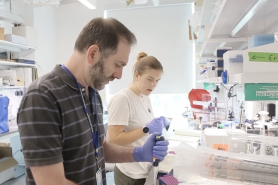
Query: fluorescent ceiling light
x=87 y=3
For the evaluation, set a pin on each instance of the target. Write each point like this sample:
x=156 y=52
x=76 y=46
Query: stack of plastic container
x=219 y=60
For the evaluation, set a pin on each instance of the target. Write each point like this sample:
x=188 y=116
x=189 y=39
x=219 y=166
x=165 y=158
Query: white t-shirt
x=127 y=108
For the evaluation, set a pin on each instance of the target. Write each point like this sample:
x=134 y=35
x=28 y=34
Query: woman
x=131 y=118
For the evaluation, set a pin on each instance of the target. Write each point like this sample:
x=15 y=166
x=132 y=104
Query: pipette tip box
x=168 y=180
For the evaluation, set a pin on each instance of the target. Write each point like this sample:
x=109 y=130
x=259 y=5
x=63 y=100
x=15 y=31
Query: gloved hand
x=157 y=124
x=151 y=149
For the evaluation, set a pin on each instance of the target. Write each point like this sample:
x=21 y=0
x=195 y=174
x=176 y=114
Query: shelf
x=11 y=87
x=238 y=18
x=207 y=18
x=8 y=135
x=10 y=17
x=211 y=80
x=207 y=14
x=210 y=45
x=203 y=60
x=251 y=17
x=245 y=78
x=254 y=78
x=12 y=47
x=16 y=64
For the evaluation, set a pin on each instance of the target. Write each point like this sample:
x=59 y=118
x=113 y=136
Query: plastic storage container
x=218 y=72
x=261 y=39
x=219 y=63
x=211 y=63
x=220 y=51
x=233 y=62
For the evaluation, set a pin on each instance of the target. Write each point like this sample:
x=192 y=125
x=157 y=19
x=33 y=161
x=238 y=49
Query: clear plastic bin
x=261 y=39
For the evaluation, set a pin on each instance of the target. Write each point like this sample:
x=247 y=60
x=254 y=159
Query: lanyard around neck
x=95 y=134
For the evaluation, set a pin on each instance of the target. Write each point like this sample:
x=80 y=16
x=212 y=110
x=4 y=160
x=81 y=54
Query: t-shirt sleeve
x=39 y=127
x=118 y=111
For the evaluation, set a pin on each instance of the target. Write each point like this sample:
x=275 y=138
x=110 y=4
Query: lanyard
x=95 y=134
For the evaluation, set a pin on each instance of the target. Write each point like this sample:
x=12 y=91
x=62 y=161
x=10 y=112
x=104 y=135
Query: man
x=60 y=117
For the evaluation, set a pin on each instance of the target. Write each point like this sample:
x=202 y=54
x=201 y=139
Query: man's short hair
x=106 y=33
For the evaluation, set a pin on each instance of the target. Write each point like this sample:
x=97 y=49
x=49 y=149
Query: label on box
x=208 y=86
x=259 y=92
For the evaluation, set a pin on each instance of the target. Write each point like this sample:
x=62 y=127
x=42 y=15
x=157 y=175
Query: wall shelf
x=13 y=47
x=211 y=80
x=207 y=18
x=16 y=64
x=10 y=17
x=8 y=135
x=249 y=17
x=210 y=45
x=11 y=87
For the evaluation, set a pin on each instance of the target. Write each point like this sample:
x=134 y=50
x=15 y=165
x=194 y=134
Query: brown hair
x=145 y=62
x=106 y=33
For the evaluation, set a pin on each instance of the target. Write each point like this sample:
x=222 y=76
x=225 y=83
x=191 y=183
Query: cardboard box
x=19 y=76
x=199 y=2
x=192 y=35
x=2 y=33
x=5 y=144
x=16 y=39
x=28 y=32
x=7 y=162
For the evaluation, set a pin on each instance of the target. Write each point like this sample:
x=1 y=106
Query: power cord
x=20 y=150
x=229 y=93
x=224 y=86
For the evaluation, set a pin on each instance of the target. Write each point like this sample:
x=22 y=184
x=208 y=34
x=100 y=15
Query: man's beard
x=97 y=75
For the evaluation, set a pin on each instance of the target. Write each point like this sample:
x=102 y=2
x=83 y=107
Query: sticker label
x=263 y=57
x=223 y=147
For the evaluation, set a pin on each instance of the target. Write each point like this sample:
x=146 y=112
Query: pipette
x=156 y=161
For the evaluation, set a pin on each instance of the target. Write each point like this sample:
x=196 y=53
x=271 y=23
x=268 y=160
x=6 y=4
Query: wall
x=44 y=22
x=68 y=27
x=70 y=24
x=162 y=32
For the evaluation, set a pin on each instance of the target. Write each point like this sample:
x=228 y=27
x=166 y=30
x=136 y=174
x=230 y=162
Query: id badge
x=99 y=177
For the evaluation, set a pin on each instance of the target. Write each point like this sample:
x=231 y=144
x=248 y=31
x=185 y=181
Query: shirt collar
x=67 y=78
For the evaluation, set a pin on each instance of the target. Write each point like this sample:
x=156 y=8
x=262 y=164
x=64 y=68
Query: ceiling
x=117 y=4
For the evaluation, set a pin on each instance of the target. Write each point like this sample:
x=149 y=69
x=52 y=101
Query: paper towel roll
x=193 y=133
x=27 y=76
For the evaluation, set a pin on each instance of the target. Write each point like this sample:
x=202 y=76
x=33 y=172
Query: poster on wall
x=260 y=92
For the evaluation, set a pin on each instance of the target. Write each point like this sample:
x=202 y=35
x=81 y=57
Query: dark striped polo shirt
x=54 y=128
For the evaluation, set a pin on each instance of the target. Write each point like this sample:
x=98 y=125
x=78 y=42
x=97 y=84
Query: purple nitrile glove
x=157 y=125
x=151 y=149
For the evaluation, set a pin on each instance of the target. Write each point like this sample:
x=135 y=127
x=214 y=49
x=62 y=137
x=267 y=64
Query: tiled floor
x=21 y=180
